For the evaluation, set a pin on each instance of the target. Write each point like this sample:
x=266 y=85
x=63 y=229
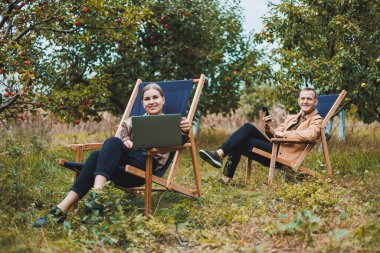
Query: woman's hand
x=185 y=125
x=128 y=144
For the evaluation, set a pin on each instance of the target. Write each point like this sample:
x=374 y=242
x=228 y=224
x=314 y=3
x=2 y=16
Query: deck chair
x=177 y=95
x=327 y=105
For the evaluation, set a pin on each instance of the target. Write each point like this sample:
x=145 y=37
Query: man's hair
x=308 y=89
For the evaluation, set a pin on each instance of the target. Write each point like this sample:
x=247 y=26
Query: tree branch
x=62 y=31
x=22 y=34
x=6 y=33
x=8 y=103
x=6 y=17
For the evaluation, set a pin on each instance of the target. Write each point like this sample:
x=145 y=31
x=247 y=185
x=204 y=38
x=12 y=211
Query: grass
x=297 y=216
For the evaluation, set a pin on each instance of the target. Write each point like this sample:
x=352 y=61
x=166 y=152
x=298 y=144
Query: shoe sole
x=210 y=160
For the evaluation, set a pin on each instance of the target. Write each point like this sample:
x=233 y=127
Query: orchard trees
x=182 y=40
x=51 y=53
x=330 y=45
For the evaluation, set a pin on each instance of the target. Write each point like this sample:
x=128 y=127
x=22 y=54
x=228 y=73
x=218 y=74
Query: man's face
x=307 y=101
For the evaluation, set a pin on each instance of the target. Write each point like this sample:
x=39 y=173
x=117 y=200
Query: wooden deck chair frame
x=309 y=145
x=167 y=184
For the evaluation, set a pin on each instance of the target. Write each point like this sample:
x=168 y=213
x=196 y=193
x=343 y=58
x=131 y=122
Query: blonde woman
x=103 y=165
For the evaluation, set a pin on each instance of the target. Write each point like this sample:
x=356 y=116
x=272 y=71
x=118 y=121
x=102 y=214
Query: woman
x=102 y=165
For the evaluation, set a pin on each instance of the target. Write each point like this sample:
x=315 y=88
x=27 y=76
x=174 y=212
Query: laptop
x=156 y=131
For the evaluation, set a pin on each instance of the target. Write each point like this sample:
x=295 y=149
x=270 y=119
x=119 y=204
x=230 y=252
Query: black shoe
x=228 y=170
x=54 y=214
x=211 y=157
x=94 y=202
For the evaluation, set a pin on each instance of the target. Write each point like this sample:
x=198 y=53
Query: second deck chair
x=327 y=105
x=177 y=94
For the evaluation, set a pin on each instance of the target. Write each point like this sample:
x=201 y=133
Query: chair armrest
x=168 y=149
x=87 y=146
x=289 y=140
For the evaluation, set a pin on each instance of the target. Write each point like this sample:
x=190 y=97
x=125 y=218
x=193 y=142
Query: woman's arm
x=126 y=133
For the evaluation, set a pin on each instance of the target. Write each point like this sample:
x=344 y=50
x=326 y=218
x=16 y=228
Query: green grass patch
x=307 y=215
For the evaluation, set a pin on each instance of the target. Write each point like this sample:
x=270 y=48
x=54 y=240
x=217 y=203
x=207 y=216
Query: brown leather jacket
x=308 y=130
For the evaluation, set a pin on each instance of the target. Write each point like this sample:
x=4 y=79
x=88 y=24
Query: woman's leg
x=136 y=159
x=108 y=161
x=86 y=178
x=70 y=200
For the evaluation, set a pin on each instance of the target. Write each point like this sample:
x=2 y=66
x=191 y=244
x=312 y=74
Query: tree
x=51 y=52
x=330 y=45
x=181 y=40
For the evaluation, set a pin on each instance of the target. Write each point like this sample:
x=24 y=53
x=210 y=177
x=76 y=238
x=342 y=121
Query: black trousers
x=241 y=143
x=109 y=162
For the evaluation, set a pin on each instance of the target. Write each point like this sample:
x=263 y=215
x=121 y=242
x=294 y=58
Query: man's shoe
x=54 y=214
x=211 y=157
x=94 y=202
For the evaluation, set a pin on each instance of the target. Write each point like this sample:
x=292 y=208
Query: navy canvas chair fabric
x=177 y=94
x=325 y=103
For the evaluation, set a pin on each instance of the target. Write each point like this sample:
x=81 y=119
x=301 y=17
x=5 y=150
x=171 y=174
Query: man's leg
x=240 y=138
x=233 y=144
x=246 y=149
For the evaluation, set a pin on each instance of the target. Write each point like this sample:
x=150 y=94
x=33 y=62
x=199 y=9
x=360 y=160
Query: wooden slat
x=129 y=107
x=272 y=163
x=79 y=154
x=290 y=140
x=141 y=188
x=195 y=101
x=268 y=155
x=287 y=163
x=153 y=151
x=303 y=155
x=61 y=162
x=305 y=170
x=326 y=153
x=87 y=146
x=333 y=108
x=194 y=160
x=148 y=184
x=173 y=168
x=161 y=181
x=248 y=171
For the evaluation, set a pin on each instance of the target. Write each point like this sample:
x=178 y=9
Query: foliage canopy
x=330 y=45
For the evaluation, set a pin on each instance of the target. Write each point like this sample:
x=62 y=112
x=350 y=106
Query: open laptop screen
x=156 y=131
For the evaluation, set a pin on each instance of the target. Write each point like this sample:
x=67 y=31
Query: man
x=304 y=126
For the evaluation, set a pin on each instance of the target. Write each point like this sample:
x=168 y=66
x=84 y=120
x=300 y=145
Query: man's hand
x=279 y=134
x=185 y=125
x=128 y=144
x=267 y=121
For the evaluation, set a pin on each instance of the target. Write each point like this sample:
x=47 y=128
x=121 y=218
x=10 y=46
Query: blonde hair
x=152 y=86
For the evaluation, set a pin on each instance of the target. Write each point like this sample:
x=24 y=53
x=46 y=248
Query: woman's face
x=153 y=102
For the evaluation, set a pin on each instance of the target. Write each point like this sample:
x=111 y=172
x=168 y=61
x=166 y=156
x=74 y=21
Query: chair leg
x=248 y=171
x=272 y=163
x=326 y=153
x=148 y=184
x=194 y=160
x=173 y=169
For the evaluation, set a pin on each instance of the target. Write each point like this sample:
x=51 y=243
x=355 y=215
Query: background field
x=298 y=216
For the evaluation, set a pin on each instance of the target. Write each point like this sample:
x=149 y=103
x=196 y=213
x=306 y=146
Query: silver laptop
x=156 y=131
